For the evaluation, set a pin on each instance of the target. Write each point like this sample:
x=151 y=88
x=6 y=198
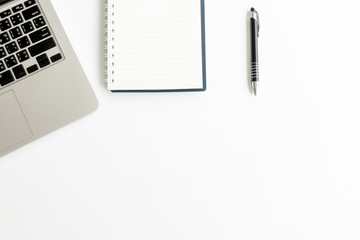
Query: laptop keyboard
x=27 y=44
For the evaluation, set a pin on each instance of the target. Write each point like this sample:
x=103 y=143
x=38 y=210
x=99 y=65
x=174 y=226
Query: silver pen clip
x=258 y=22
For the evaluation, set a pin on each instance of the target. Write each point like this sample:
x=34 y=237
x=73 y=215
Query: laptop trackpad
x=13 y=125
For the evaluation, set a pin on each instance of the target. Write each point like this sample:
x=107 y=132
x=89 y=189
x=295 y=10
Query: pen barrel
x=254 y=64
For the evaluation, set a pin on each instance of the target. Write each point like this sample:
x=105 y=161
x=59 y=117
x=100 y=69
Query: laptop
x=42 y=84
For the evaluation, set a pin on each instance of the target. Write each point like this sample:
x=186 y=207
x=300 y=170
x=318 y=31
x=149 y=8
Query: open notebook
x=155 y=45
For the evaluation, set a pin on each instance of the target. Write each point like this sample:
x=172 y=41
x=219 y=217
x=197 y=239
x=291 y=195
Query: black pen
x=254 y=61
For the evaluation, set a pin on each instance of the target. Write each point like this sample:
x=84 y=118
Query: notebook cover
x=203 y=39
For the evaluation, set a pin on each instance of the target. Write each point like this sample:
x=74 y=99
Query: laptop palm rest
x=14 y=128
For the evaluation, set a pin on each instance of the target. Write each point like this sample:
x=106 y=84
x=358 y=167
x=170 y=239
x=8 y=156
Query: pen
x=254 y=61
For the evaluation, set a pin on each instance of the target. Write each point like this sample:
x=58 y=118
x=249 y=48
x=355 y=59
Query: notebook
x=155 y=45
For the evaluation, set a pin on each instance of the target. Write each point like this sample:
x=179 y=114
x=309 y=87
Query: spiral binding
x=108 y=42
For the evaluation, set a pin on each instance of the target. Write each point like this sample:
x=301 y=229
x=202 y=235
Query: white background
x=216 y=165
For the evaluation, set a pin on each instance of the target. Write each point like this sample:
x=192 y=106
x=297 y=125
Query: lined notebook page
x=154 y=45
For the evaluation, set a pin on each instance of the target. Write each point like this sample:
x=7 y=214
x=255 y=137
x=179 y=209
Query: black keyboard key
x=23 y=42
x=5 y=25
x=12 y=47
x=22 y=56
x=16 y=19
x=4 y=38
x=40 y=34
x=15 y=33
x=31 y=12
x=18 y=8
x=6 y=78
x=32 y=69
x=43 y=60
x=27 y=27
x=5 y=14
x=39 y=22
x=56 y=57
x=19 y=71
x=2 y=52
x=2 y=66
x=42 y=47
x=10 y=61
x=29 y=3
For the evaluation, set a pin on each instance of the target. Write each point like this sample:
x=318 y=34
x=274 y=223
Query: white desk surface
x=215 y=165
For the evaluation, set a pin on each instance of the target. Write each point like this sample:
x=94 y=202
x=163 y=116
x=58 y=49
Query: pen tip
x=255 y=88
x=253 y=9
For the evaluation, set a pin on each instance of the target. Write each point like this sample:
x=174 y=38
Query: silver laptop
x=42 y=85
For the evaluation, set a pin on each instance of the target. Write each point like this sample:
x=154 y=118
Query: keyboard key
x=39 y=22
x=5 y=14
x=19 y=71
x=43 y=60
x=6 y=78
x=22 y=55
x=5 y=25
x=56 y=57
x=10 y=61
x=23 y=42
x=12 y=47
x=32 y=69
x=16 y=19
x=2 y=66
x=15 y=33
x=18 y=8
x=40 y=34
x=29 y=3
x=31 y=12
x=27 y=27
x=2 y=52
x=4 y=38
x=42 y=47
